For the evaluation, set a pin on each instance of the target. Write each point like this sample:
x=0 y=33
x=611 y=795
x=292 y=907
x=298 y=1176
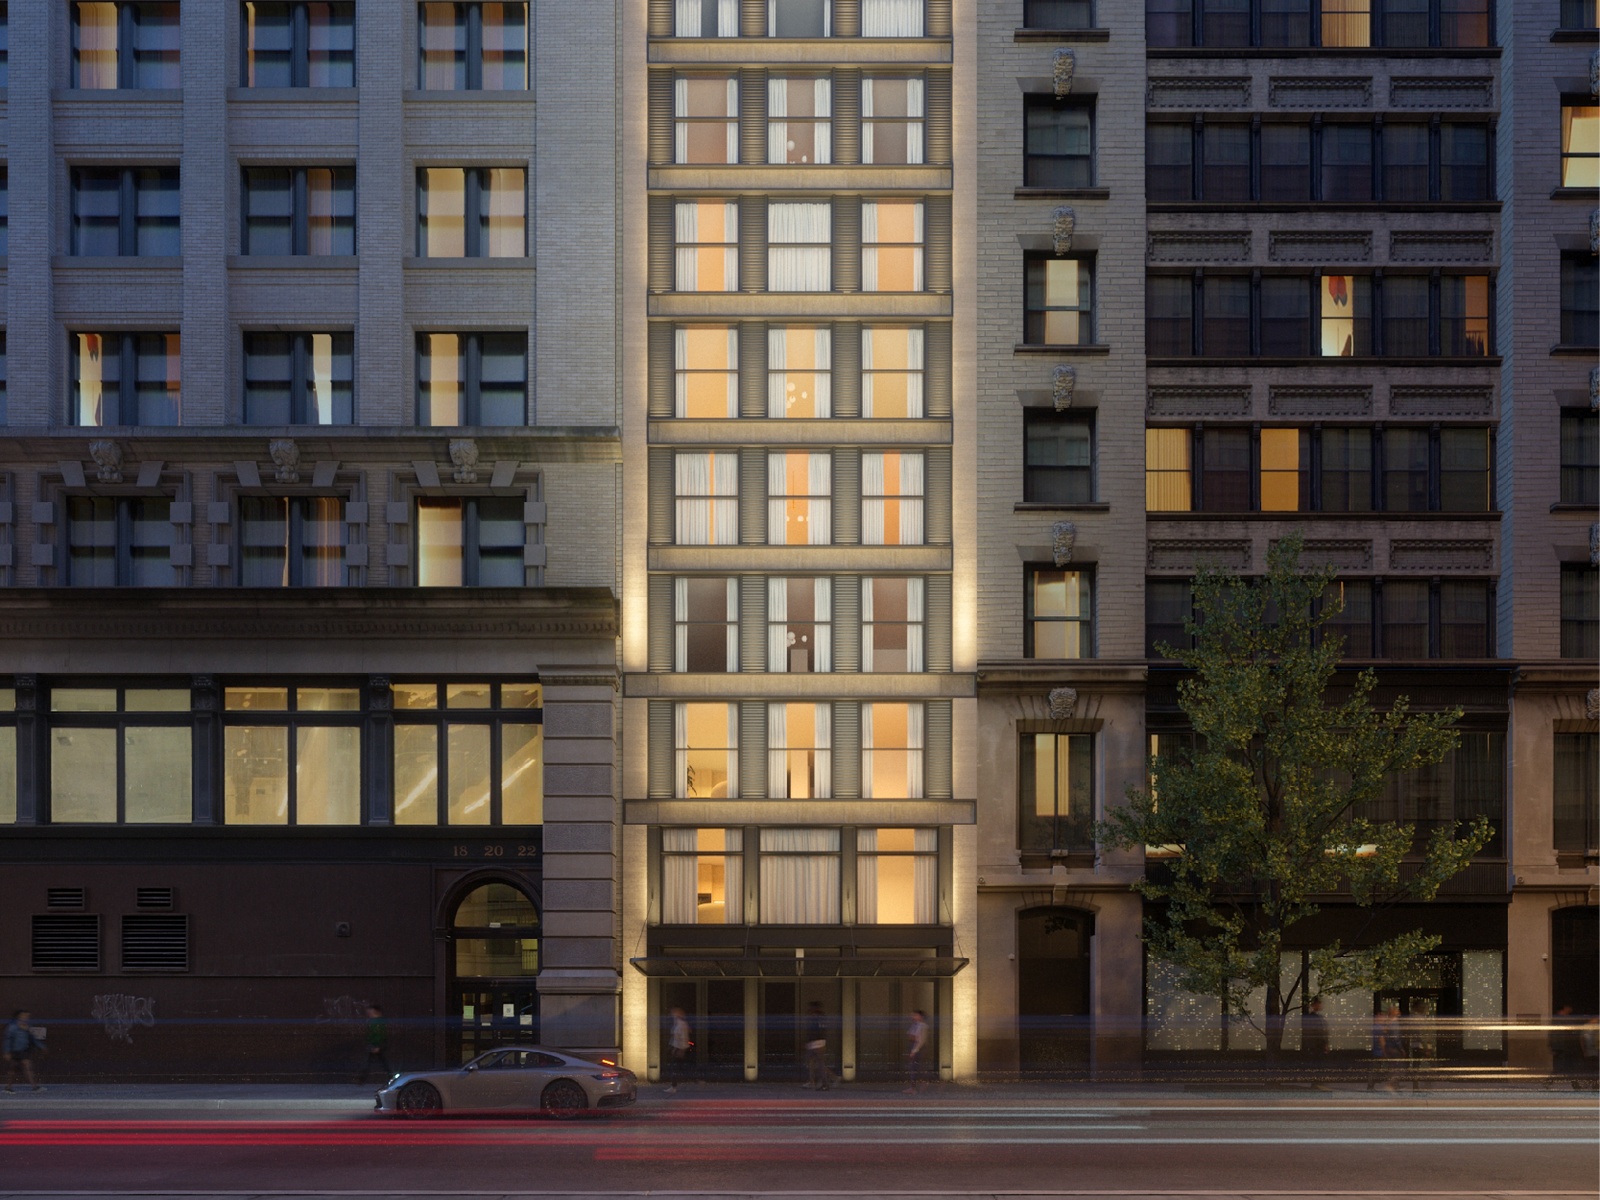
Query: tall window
x=1346 y=158
x=299 y=378
x=291 y=541
x=1580 y=300
x=705 y=112
x=891 y=499
x=892 y=617
x=702 y=875
x=120 y=755
x=476 y=212
x=1285 y=470
x=1168 y=605
x=476 y=541
x=1577 y=794
x=1057 y=793
x=799 y=625
x=1286 y=162
x=1580 y=611
x=799 y=751
x=706 y=235
x=1225 y=162
x=1168 y=478
x=799 y=499
x=799 y=371
x=897 y=876
x=1405 y=161
x=706 y=498
x=891 y=120
x=1058 y=303
x=706 y=372
x=300 y=210
x=1578 y=14
x=1464 y=315
x=891 y=246
x=8 y=756
x=299 y=43
x=125 y=379
x=1059 y=614
x=891 y=372
x=1468 y=783
x=1580 y=457
x=5 y=46
x=1058 y=147
x=1225 y=470
x=468 y=754
x=705 y=624
x=1349 y=603
x=799 y=246
x=122 y=44
x=1463 y=161
x=472 y=379
x=1346 y=476
x=120 y=211
x=707 y=741
x=799 y=18
x=891 y=751
x=1580 y=145
x=4 y=418
x=799 y=876
x=799 y=120
x=5 y=207
x=1168 y=162
x=1225 y=316
x=1404 y=620
x=1345 y=316
x=1406 y=315
x=1057 y=14
x=1347 y=23
x=1058 y=463
x=1169 y=315
x=119 y=541
x=473 y=46
x=705 y=18
x=891 y=18
x=1464 y=470
x=291 y=756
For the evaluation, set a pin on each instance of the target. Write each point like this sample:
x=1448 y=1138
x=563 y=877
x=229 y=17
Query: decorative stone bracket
x=108 y=457
x=1063 y=703
x=1063 y=536
x=464 y=454
x=1065 y=221
x=1591 y=704
x=1063 y=383
x=1062 y=68
x=286 y=457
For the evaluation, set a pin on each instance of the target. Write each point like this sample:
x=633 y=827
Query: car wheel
x=563 y=1099
x=419 y=1099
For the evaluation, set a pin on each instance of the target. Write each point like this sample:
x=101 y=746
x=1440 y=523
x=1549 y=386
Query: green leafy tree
x=1266 y=817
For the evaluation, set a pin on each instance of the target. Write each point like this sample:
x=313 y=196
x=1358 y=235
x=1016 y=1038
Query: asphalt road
x=961 y=1141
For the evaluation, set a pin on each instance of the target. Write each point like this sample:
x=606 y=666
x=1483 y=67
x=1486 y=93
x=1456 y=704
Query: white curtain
x=799 y=247
x=799 y=876
x=707 y=499
x=822 y=736
x=914 y=724
x=867 y=751
x=872 y=499
x=733 y=877
x=732 y=790
x=778 y=367
x=687 y=235
x=777 y=499
x=822 y=105
x=819 y=512
x=822 y=606
x=680 y=626
x=891 y=18
x=686 y=18
x=911 y=500
x=912 y=120
x=777 y=125
x=732 y=611
x=866 y=876
x=777 y=625
x=778 y=751
x=680 y=877
x=733 y=123
x=925 y=880
x=680 y=743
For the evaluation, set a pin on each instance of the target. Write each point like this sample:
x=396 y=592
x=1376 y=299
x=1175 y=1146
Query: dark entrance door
x=494 y=947
x=715 y=1011
x=1574 y=948
x=784 y=1004
x=1053 y=1006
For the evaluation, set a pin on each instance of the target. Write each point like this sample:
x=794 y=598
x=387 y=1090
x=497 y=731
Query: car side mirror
x=471 y=1067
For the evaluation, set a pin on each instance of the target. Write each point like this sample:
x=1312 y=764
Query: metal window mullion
x=299 y=216
x=473 y=195
x=470 y=565
x=127 y=203
x=495 y=781
x=125 y=28
x=291 y=752
x=297 y=378
x=299 y=47
x=472 y=401
x=474 y=47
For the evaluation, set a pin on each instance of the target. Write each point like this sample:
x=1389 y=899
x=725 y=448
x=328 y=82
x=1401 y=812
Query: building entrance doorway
x=494 y=968
x=1574 y=946
x=1054 y=1016
x=714 y=1009
x=784 y=1003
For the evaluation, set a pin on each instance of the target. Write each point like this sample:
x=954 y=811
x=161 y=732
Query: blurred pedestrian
x=22 y=1045
x=818 y=1075
x=1565 y=1039
x=916 y=1041
x=1313 y=1030
x=679 y=1042
x=1388 y=1047
x=377 y=1060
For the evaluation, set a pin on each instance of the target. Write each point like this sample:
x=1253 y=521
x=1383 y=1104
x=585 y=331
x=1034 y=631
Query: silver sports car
x=521 y=1078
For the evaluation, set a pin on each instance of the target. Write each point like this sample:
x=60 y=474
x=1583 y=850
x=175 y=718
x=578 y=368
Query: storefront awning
x=773 y=967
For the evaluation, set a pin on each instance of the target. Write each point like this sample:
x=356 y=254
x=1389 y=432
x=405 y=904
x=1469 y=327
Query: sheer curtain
x=914 y=725
x=914 y=620
x=800 y=876
x=799 y=249
x=697 y=219
x=819 y=510
x=778 y=751
x=866 y=876
x=777 y=625
x=925 y=881
x=322 y=542
x=872 y=499
x=891 y=18
x=911 y=500
x=680 y=877
x=822 y=631
x=690 y=17
x=688 y=365
x=818 y=372
x=733 y=877
x=687 y=234
x=819 y=118
x=777 y=373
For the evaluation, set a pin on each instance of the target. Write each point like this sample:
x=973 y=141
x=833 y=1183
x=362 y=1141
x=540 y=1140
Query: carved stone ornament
x=1594 y=74
x=286 y=457
x=464 y=453
x=1062 y=71
x=1594 y=231
x=1594 y=388
x=1063 y=703
x=108 y=457
x=1061 y=231
x=1591 y=704
x=1063 y=382
x=1063 y=536
x=1594 y=544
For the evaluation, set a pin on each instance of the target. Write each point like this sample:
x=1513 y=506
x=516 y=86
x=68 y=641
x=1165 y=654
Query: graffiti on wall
x=346 y=1012
x=119 y=1014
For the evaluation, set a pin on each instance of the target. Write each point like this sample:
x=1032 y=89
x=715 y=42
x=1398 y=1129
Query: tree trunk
x=1274 y=1021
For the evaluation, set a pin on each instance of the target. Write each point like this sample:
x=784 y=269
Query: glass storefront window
x=488 y=768
x=116 y=755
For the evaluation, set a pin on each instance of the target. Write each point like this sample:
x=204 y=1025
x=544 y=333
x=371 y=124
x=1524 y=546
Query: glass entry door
x=494 y=1014
x=494 y=967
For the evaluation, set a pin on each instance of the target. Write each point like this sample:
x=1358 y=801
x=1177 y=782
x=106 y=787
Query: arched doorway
x=494 y=968
x=1054 y=1013
x=1574 y=946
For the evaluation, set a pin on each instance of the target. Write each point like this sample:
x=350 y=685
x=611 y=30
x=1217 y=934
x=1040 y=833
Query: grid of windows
x=119 y=755
x=1343 y=24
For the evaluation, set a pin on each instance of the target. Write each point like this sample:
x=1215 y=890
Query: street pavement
x=1131 y=1143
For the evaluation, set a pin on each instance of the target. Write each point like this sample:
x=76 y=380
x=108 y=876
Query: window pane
x=257 y=699
x=467 y=695
x=1580 y=146
x=505 y=47
x=799 y=373
x=706 y=108
x=1346 y=22
x=439 y=543
x=330 y=210
x=92 y=541
x=155 y=45
x=256 y=775
x=441 y=379
x=8 y=774
x=83 y=777
x=891 y=18
x=1405 y=160
x=799 y=128
x=892 y=364
x=331 y=53
x=1226 y=151
x=157 y=395
x=94 y=45
x=416 y=771
x=156 y=212
x=268 y=378
x=1463 y=619
x=1405 y=620
x=268 y=210
x=1059 y=145
x=1057 y=792
x=1464 y=315
x=797 y=18
x=1226 y=477
x=150 y=549
x=499 y=542
x=707 y=372
x=267 y=37
x=707 y=622
x=1580 y=612
x=1405 y=22
x=1285 y=316
x=1405 y=470
x=83 y=700
x=444 y=47
x=521 y=774
x=891 y=120
x=1464 y=470
x=330 y=380
x=1060 y=611
x=707 y=737
x=263 y=541
x=1463 y=162
x=1169 y=162
x=468 y=793
x=1225 y=327
x=1169 y=315
x=1058 y=302
x=1346 y=156
x=1352 y=623
x=1285 y=22
x=158 y=763
x=1346 y=470
x=1169 y=22
x=1167 y=470
x=328 y=775
x=1464 y=23
x=96 y=211
x=505 y=203
x=1167 y=606
x=1405 y=315
x=1285 y=162
x=1580 y=300
x=1346 y=316
x=1285 y=463
x=442 y=215
x=1577 y=794
x=503 y=379
x=1057 y=460
x=1580 y=458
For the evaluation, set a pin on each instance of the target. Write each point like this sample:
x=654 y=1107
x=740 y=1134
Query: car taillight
x=608 y=1075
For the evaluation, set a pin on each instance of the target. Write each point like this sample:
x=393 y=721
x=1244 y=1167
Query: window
x=706 y=234
x=305 y=43
x=1168 y=162
x=1580 y=145
x=125 y=379
x=1225 y=470
x=1405 y=161
x=897 y=876
x=799 y=120
x=300 y=210
x=155 y=942
x=1346 y=477
x=1225 y=162
x=1463 y=161
x=702 y=875
x=1057 y=793
x=706 y=498
x=119 y=541
x=1406 y=319
x=1464 y=315
x=891 y=246
x=472 y=379
x=706 y=372
x=1225 y=22
x=5 y=203
x=1464 y=470
x=124 y=45
x=1578 y=14
x=1169 y=315
x=891 y=18
x=1169 y=22
x=1463 y=619
x=299 y=378
x=1404 y=619
x=707 y=741
x=473 y=212
x=1285 y=484
x=800 y=247
x=799 y=751
x=122 y=211
x=1057 y=14
x=799 y=876
x=1168 y=478
x=1058 y=146
x=291 y=756
x=1346 y=161
x=891 y=499
x=1285 y=316
x=1058 y=302
x=1225 y=316
x=1058 y=462
x=799 y=372
x=468 y=753
x=892 y=615
x=473 y=542
x=799 y=499
x=705 y=18
x=291 y=541
x=3 y=416
x=1285 y=22
x=1168 y=605
x=891 y=751
x=1580 y=300
x=1580 y=611
x=798 y=18
x=5 y=46
x=799 y=625
x=891 y=372
x=891 y=120
x=1345 y=325
x=1059 y=614
x=1285 y=163
x=121 y=755
x=1580 y=457
x=473 y=47
x=705 y=624
x=1405 y=470
x=1347 y=22
x=705 y=113
x=1349 y=601
x=1577 y=793
x=1467 y=784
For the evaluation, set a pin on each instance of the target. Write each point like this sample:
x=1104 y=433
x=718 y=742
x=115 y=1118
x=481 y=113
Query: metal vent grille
x=65 y=897
x=155 y=943
x=152 y=897
x=66 y=943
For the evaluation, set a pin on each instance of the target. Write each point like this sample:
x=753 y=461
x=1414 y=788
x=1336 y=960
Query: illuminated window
x=1058 y=303
x=122 y=44
x=799 y=751
x=706 y=372
x=800 y=876
x=892 y=116
x=468 y=753
x=475 y=541
x=891 y=499
x=706 y=498
x=1580 y=457
x=705 y=622
x=1059 y=614
x=705 y=18
x=799 y=624
x=473 y=46
x=1056 y=792
x=477 y=212
x=291 y=541
x=800 y=371
x=891 y=751
x=705 y=113
x=702 y=877
x=891 y=246
x=1168 y=475
x=122 y=755
x=291 y=756
x=892 y=615
x=1347 y=22
x=706 y=737
x=891 y=372
x=799 y=120
x=300 y=210
x=1285 y=470
x=1580 y=145
x=472 y=379
x=706 y=239
x=125 y=379
x=799 y=499
x=299 y=43
x=897 y=876
x=299 y=378
x=799 y=246
x=1345 y=324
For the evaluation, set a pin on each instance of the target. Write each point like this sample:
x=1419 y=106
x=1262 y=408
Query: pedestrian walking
x=21 y=1046
x=1388 y=1047
x=916 y=1041
x=1566 y=1047
x=1313 y=1030
x=377 y=1060
x=679 y=1043
x=818 y=1074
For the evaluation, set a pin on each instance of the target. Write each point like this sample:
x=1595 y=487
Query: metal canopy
x=773 y=967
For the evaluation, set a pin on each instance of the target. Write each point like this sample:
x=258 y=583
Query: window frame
x=1580 y=276
x=818 y=758
x=1580 y=456
x=685 y=123
x=1030 y=7
x=121 y=720
x=471 y=380
x=125 y=400
x=130 y=228
x=342 y=183
x=472 y=550
x=443 y=718
x=821 y=123
x=1071 y=832
x=722 y=506
x=472 y=67
x=1085 y=623
x=1034 y=102
x=818 y=511
x=915 y=625
x=292 y=719
x=295 y=520
x=476 y=238
x=301 y=357
x=1037 y=264
x=915 y=123
x=1577 y=166
x=1077 y=477
x=123 y=546
x=1581 y=808
x=772 y=20
x=1580 y=630
x=685 y=617
x=300 y=61
x=129 y=48
x=780 y=631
